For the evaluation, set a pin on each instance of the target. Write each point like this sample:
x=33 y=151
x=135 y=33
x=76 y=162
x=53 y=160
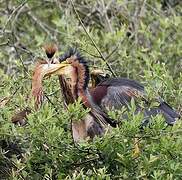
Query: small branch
x=54 y=92
x=4 y=43
x=53 y=107
x=38 y=22
x=172 y=156
x=22 y=48
x=93 y=55
x=11 y=15
x=107 y=21
x=5 y=100
x=21 y=60
x=113 y=51
x=93 y=42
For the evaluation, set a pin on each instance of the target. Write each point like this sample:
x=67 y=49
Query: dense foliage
x=140 y=39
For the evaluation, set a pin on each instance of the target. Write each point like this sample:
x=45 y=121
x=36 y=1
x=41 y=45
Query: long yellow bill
x=54 y=69
x=41 y=70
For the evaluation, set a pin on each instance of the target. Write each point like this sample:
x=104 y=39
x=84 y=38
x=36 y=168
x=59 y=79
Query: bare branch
x=11 y=15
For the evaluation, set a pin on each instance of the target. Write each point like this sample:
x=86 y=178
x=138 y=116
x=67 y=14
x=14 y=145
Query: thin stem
x=93 y=42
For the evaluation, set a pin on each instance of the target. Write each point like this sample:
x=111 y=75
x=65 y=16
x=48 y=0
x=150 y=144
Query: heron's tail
x=170 y=115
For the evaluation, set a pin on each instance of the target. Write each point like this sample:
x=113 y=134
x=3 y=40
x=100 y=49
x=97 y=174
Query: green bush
x=140 y=40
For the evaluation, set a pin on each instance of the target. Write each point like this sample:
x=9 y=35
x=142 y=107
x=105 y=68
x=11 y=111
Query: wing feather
x=119 y=96
x=118 y=92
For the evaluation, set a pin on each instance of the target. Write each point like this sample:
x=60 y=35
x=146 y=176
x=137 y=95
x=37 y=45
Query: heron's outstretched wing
x=118 y=92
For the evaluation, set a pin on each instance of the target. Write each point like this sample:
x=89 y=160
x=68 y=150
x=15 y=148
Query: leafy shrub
x=139 y=39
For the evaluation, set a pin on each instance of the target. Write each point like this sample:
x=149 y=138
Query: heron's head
x=50 y=50
x=98 y=76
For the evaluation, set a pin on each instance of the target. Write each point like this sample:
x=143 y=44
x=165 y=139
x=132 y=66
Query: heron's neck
x=79 y=83
x=66 y=90
x=37 y=92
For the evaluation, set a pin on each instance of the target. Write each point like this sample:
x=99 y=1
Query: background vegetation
x=140 y=39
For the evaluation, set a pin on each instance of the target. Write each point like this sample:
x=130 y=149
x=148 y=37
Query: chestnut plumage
x=109 y=93
x=80 y=79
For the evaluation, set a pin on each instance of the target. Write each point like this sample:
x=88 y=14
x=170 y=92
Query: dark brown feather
x=98 y=94
x=118 y=92
x=21 y=117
